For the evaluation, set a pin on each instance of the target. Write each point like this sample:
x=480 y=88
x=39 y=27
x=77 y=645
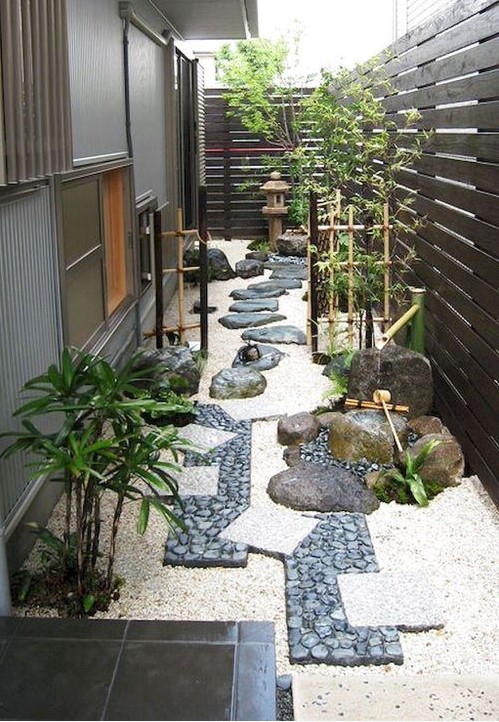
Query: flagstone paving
x=405 y=600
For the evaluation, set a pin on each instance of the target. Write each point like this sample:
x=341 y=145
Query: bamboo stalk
x=395 y=328
x=386 y=246
x=331 y=310
x=184 y=269
x=358 y=403
x=355 y=227
x=170 y=329
x=180 y=266
x=350 y=274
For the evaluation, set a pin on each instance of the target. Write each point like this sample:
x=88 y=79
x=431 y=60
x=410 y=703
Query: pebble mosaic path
x=330 y=544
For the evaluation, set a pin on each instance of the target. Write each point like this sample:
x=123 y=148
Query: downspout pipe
x=128 y=120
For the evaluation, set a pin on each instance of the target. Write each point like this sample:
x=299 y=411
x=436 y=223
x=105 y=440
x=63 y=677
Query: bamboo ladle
x=383 y=397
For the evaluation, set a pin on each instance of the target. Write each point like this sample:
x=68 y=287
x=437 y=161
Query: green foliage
x=339 y=380
x=101 y=448
x=260 y=244
x=410 y=481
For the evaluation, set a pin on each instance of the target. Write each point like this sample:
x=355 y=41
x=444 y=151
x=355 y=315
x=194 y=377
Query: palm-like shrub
x=101 y=447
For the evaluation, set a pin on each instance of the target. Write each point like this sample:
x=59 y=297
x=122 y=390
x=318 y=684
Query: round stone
x=310 y=639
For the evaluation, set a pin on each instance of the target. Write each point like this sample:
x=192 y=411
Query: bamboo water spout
x=383 y=397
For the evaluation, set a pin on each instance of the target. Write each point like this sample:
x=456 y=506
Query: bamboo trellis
x=326 y=239
x=179 y=235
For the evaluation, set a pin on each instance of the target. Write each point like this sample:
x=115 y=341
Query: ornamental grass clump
x=408 y=486
x=105 y=456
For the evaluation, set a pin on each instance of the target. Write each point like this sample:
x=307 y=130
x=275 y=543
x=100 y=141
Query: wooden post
x=203 y=265
x=350 y=275
x=386 y=245
x=180 y=269
x=158 y=277
x=313 y=333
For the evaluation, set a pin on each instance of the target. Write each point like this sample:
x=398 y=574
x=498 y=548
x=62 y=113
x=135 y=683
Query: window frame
x=61 y=181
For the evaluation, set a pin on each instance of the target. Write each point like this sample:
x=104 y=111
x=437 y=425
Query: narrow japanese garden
x=295 y=471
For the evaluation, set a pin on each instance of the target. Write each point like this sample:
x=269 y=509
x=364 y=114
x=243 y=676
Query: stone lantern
x=275 y=209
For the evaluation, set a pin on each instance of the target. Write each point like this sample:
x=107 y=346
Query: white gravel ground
x=454 y=541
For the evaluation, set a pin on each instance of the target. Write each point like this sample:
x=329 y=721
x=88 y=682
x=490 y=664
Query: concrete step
x=396 y=697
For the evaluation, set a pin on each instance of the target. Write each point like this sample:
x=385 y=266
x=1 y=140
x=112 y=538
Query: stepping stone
x=270 y=529
x=285 y=283
x=275 y=334
x=205 y=437
x=237 y=383
x=406 y=601
x=254 y=305
x=395 y=697
x=249 y=268
x=289 y=271
x=269 y=358
x=197 y=480
x=196 y=308
x=242 y=294
x=246 y=320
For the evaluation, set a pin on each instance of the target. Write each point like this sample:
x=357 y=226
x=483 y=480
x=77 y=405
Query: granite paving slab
x=247 y=320
x=197 y=480
x=270 y=529
x=403 y=600
x=396 y=697
x=205 y=437
x=318 y=629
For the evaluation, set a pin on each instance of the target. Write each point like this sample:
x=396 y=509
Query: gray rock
x=292 y=244
x=424 y=425
x=291 y=455
x=445 y=463
x=258 y=255
x=275 y=334
x=173 y=364
x=237 y=383
x=405 y=373
x=219 y=266
x=196 y=308
x=285 y=283
x=269 y=358
x=249 y=267
x=254 y=305
x=289 y=271
x=246 y=320
x=365 y=434
x=313 y=487
x=243 y=294
x=297 y=429
x=340 y=364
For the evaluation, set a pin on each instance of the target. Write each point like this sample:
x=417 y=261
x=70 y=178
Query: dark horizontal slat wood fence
x=455 y=185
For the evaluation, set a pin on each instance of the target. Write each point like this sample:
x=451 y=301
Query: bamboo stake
x=331 y=311
x=358 y=403
x=382 y=396
x=180 y=264
x=350 y=274
x=386 y=244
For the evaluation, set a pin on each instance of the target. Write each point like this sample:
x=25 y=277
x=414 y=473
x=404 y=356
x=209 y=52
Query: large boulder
x=237 y=383
x=275 y=334
x=365 y=434
x=249 y=267
x=173 y=364
x=405 y=373
x=258 y=255
x=297 y=429
x=313 y=487
x=445 y=463
x=292 y=244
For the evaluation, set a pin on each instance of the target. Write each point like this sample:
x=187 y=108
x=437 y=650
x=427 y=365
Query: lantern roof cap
x=275 y=184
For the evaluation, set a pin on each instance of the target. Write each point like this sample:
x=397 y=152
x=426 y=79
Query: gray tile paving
x=197 y=480
x=403 y=600
x=205 y=437
x=270 y=529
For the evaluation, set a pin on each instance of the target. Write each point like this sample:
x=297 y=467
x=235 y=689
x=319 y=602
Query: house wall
x=31 y=340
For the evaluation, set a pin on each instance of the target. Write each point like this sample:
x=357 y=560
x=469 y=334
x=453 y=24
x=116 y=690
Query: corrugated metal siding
x=148 y=115
x=97 y=78
x=29 y=318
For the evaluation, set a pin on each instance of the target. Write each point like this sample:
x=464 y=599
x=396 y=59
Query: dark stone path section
x=247 y=320
x=318 y=630
x=83 y=669
x=289 y=271
x=206 y=516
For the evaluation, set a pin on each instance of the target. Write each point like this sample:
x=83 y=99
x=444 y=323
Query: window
x=96 y=253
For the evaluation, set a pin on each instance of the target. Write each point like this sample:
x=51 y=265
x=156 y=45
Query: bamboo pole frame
x=350 y=320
